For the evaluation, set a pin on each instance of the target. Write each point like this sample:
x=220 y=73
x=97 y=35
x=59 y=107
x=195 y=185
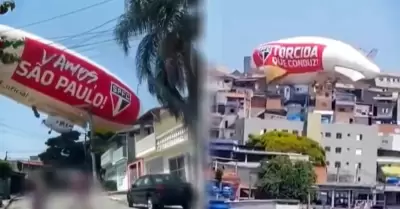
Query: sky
x=232 y=29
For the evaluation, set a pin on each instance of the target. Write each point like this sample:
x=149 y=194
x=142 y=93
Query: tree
x=281 y=178
x=165 y=58
x=65 y=151
x=6 y=57
x=286 y=142
x=5 y=169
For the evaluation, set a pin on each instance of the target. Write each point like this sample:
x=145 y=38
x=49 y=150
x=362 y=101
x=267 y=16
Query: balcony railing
x=119 y=154
x=145 y=145
x=106 y=158
x=171 y=138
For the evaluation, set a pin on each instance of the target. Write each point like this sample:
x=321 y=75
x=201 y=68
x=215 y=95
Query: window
x=327 y=134
x=338 y=135
x=358 y=151
x=232 y=110
x=295 y=132
x=359 y=179
x=139 y=182
x=177 y=166
x=385 y=141
x=327 y=163
x=348 y=135
x=338 y=150
x=359 y=137
x=337 y=164
x=146 y=181
x=341 y=109
x=328 y=149
x=358 y=165
x=284 y=130
x=226 y=124
x=347 y=163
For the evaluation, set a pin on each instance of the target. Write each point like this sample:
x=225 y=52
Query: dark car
x=159 y=190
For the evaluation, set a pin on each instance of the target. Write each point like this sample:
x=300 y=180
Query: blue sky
x=232 y=29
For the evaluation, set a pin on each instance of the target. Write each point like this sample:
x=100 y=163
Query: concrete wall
x=357 y=144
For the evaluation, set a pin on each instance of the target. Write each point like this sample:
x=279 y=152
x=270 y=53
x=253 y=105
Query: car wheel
x=130 y=203
x=152 y=205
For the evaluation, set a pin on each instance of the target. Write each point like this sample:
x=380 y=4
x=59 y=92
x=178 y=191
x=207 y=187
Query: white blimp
x=303 y=60
x=58 y=124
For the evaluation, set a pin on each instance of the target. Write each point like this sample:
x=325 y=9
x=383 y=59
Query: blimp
x=58 y=124
x=303 y=60
x=52 y=79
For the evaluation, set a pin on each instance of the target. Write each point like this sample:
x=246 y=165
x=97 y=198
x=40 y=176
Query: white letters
x=47 y=78
x=62 y=82
x=61 y=85
x=295 y=56
x=23 y=68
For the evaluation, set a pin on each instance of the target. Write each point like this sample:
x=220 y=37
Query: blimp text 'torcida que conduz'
x=300 y=60
x=59 y=82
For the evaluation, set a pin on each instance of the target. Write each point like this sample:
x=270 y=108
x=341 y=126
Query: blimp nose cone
x=256 y=59
x=372 y=72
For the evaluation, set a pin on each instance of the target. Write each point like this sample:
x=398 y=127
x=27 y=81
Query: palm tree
x=167 y=60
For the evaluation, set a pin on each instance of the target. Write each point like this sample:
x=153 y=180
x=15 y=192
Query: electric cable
x=64 y=14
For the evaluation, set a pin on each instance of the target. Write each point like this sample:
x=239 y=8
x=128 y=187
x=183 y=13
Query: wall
x=353 y=138
x=159 y=160
x=165 y=123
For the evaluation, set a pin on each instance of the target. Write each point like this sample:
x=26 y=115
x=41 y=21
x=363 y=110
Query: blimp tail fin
x=350 y=73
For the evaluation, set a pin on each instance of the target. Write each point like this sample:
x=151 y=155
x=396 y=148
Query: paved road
x=69 y=202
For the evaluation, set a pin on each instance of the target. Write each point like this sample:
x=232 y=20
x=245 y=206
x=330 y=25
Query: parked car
x=158 y=190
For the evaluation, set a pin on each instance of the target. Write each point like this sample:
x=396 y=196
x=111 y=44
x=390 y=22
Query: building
x=349 y=149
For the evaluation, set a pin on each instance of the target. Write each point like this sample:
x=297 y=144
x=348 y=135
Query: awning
x=391 y=171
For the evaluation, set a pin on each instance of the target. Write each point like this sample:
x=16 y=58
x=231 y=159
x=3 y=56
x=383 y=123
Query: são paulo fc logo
x=120 y=98
x=265 y=52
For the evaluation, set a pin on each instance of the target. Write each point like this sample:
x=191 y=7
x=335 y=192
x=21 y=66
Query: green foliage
x=110 y=185
x=6 y=6
x=65 y=151
x=286 y=142
x=6 y=57
x=166 y=58
x=5 y=169
x=283 y=179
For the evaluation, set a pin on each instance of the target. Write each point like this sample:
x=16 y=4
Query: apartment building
x=349 y=149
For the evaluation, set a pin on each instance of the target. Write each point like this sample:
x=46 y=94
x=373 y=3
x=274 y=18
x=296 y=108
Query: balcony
x=106 y=158
x=145 y=145
x=171 y=138
x=119 y=154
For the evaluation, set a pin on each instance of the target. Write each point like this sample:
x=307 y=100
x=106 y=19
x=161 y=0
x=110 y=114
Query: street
x=67 y=201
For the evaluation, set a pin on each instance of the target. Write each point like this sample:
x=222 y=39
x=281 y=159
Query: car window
x=146 y=181
x=166 y=178
x=138 y=182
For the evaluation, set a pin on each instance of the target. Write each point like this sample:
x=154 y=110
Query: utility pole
x=92 y=154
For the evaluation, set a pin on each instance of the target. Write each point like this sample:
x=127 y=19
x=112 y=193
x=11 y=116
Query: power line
x=92 y=29
x=65 y=14
x=103 y=32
